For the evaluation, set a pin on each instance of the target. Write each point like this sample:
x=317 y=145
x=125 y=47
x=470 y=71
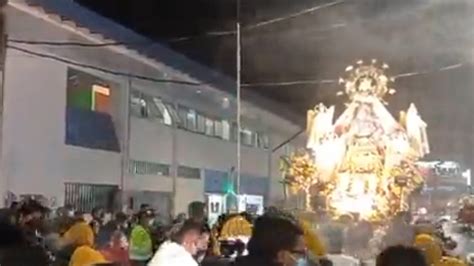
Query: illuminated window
x=173 y=113
x=247 y=137
x=89 y=121
x=191 y=120
x=225 y=130
x=209 y=127
x=87 y=92
x=166 y=115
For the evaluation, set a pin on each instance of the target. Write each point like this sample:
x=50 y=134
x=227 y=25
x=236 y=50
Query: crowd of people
x=32 y=235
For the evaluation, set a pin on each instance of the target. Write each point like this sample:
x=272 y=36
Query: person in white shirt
x=180 y=249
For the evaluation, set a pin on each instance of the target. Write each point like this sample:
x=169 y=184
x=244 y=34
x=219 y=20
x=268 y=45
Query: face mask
x=302 y=262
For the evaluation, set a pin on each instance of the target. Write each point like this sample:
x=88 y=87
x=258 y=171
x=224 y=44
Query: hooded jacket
x=141 y=245
x=172 y=254
x=85 y=256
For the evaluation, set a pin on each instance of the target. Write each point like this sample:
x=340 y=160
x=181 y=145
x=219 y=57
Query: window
x=247 y=138
x=85 y=197
x=173 y=113
x=146 y=106
x=262 y=140
x=167 y=120
x=183 y=116
x=225 y=130
x=137 y=105
x=218 y=129
x=191 y=120
x=89 y=120
x=189 y=172
x=209 y=127
x=87 y=92
x=152 y=110
x=201 y=123
x=266 y=141
x=149 y=168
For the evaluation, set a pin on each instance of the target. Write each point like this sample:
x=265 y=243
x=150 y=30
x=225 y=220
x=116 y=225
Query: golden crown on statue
x=366 y=80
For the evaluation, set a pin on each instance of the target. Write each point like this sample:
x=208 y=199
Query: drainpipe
x=5 y=182
x=125 y=143
x=174 y=164
x=269 y=173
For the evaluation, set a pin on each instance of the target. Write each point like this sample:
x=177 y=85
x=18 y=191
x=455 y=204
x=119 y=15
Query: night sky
x=423 y=36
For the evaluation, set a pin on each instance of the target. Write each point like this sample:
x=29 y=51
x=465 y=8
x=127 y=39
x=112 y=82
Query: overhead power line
x=259 y=24
x=247 y=85
x=112 y=72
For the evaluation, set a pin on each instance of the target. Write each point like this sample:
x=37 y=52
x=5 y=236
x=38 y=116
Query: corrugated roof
x=101 y=28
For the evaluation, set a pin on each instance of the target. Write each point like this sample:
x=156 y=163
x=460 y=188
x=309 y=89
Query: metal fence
x=85 y=197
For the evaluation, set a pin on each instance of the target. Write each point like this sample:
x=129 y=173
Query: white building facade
x=83 y=122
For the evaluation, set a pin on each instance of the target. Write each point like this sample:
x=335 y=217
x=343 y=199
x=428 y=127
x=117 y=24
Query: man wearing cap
x=141 y=244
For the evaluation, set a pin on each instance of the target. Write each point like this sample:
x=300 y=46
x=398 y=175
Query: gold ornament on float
x=365 y=80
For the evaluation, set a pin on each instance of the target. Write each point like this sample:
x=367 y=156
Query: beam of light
x=330 y=81
x=451 y=67
x=297 y=14
x=289 y=83
x=410 y=74
x=211 y=33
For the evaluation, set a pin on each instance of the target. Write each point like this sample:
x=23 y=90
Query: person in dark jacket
x=275 y=241
x=401 y=255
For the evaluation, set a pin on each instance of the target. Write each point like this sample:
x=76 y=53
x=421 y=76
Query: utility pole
x=238 y=82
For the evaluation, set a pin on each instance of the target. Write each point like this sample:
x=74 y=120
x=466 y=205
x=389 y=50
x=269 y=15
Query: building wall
x=36 y=160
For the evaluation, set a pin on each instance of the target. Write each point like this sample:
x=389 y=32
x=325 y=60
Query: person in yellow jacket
x=86 y=256
x=313 y=242
x=430 y=248
x=81 y=236
x=434 y=253
x=451 y=261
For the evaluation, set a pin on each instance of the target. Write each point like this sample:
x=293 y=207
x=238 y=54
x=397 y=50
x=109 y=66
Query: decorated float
x=363 y=162
x=230 y=235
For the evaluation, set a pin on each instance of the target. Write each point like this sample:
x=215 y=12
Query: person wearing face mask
x=275 y=241
x=182 y=246
x=203 y=244
x=141 y=244
x=119 y=223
